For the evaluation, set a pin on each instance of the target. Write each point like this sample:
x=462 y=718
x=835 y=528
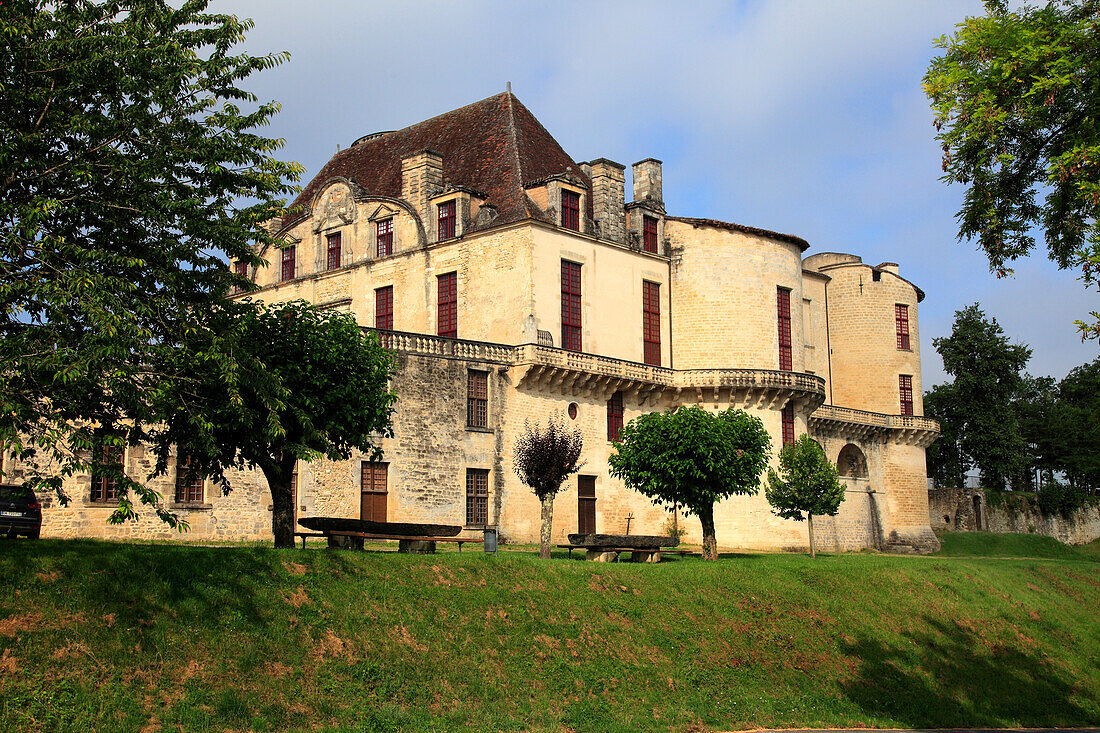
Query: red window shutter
x=571 y=210
x=447 y=316
x=384 y=234
x=570 y=305
x=614 y=416
x=383 y=308
x=446 y=220
x=240 y=269
x=783 y=299
x=651 y=322
x=288 y=263
x=649 y=234
x=901 y=316
x=905 y=388
x=333 y=241
x=788 y=424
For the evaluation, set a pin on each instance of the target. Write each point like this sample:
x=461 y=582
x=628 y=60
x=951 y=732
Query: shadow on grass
x=952 y=676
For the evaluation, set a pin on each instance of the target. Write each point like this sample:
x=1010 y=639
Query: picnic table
x=345 y=532
x=606 y=547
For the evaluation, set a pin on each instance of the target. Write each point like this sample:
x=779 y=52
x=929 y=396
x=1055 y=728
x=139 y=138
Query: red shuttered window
x=288 y=263
x=901 y=316
x=571 y=210
x=105 y=485
x=383 y=308
x=905 y=389
x=446 y=220
x=651 y=322
x=333 y=242
x=241 y=270
x=570 y=305
x=477 y=496
x=788 y=424
x=383 y=232
x=477 y=399
x=783 y=298
x=649 y=234
x=614 y=416
x=188 y=479
x=447 y=320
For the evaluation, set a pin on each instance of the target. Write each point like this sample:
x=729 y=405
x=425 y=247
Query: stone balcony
x=861 y=424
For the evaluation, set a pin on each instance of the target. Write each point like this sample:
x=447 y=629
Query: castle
x=514 y=284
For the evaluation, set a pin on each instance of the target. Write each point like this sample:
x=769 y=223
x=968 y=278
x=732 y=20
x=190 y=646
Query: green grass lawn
x=991 y=544
x=101 y=636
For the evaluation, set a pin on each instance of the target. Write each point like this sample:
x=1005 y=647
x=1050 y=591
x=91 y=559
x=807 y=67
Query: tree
x=692 y=458
x=310 y=383
x=1015 y=95
x=947 y=464
x=129 y=171
x=986 y=371
x=1079 y=420
x=544 y=458
x=807 y=485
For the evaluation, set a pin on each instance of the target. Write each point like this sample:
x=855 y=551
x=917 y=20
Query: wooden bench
x=460 y=541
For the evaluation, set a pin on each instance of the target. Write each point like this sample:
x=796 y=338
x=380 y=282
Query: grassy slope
x=993 y=544
x=115 y=637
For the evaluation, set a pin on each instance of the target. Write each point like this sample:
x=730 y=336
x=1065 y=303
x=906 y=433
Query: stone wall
x=966 y=510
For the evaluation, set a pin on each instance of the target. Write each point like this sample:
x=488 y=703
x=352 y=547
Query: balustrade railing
x=864 y=417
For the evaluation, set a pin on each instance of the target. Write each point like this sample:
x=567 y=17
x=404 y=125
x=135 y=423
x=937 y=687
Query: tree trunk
x=710 y=542
x=810 y=519
x=547 y=526
x=282 y=500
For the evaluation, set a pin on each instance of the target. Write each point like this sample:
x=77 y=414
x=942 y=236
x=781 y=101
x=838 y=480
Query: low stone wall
x=966 y=510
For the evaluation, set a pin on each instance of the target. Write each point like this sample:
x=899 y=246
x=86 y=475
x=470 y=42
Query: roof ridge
x=514 y=142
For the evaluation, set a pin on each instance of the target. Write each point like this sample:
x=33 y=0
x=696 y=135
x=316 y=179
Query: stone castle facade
x=514 y=284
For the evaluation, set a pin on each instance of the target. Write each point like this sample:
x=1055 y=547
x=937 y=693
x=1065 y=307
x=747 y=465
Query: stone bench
x=606 y=547
x=411 y=544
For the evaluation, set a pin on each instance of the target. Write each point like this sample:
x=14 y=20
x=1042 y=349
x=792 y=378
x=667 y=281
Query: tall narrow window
x=288 y=263
x=901 y=316
x=477 y=399
x=586 y=505
x=477 y=497
x=651 y=322
x=905 y=389
x=570 y=305
x=447 y=311
x=188 y=479
x=383 y=308
x=383 y=233
x=788 y=424
x=783 y=298
x=649 y=234
x=240 y=269
x=372 y=491
x=446 y=220
x=333 y=241
x=614 y=416
x=104 y=483
x=571 y=210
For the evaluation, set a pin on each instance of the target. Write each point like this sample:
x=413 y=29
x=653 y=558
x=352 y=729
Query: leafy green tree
x=806 y=484
x=309 y=383
x=1015 y=95
x=986 y=378
x=130 y=168
x=947 y=464
x=543 y=459
x=1079 y=423
x=692 y=458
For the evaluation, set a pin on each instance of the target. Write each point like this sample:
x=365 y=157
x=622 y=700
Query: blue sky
x=805 y=117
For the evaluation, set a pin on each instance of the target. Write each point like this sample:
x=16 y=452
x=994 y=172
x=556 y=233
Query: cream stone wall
x=815 y=330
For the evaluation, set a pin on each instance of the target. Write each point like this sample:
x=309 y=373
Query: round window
x=572 y=410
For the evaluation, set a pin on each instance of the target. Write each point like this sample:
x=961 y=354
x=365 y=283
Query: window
x=614 y=416
x=783 y=298
x=372 y=491
x=571 y=210
x=905 y=388
x=288 y=263
x=446 y=220
x=570 y=305
x=447 y=311
x=901 y=316
x=477 y=496
x=477 y=399
x=333 y=241
x=586 y=505
x=104 y=484
x=189 y=481
x=383 y=308
x=649 y=234
x=383 y=232
x=240 y=269
x=651 y=322
x=788 y=424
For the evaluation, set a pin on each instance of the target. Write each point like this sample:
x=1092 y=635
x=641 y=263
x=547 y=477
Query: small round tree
x=544 y=458
x=807 y=485
x=692 y=457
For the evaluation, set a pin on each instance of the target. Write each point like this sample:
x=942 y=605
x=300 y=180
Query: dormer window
x=384 y=234
x=649 y=234
x=240 y=269
x=333 y=242
x=571 y=210
x=446 y=220
x=288 y=263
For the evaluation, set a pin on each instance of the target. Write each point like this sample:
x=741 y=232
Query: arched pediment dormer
x=334 y=204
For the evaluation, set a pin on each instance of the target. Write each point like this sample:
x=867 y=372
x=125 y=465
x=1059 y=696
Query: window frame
x=650 y=240
x=477 y=497
x=185 y=489
x=786 y=419
x=383 y=308
x=446 y=308
x=905 y=393
x=448 y=224
x=383 y=237
x=240 y=269
x=615 y=412
x=289 y=258
x=783 y=327
x=572 y=336
x=333 y=263
x=477 y=399
x=570 y=209
x=901 y=322
x=370 y=486
x=651 y=323
x=104 y=489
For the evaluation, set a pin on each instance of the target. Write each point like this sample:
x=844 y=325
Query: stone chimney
x=421 y=178
x=608 y=197
x=647 y=182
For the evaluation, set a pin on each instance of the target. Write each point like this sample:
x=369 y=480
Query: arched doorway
x=851 y=462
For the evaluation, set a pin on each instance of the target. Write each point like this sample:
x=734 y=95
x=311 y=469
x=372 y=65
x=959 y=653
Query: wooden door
x=372 y=496
x=586 y=504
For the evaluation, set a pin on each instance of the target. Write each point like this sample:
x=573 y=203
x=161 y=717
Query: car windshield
x=15 y=493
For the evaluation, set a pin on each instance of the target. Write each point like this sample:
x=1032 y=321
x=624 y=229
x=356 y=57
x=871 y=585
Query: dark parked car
x=20 y=512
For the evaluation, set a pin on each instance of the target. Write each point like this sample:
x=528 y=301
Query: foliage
x=806 y=484
x=309 y=383
x=1015 y=98
x=1056 y=497
x=543 y=459
x=947 y=464
x=126 y=155
x=986 y=370
x=692 y=458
